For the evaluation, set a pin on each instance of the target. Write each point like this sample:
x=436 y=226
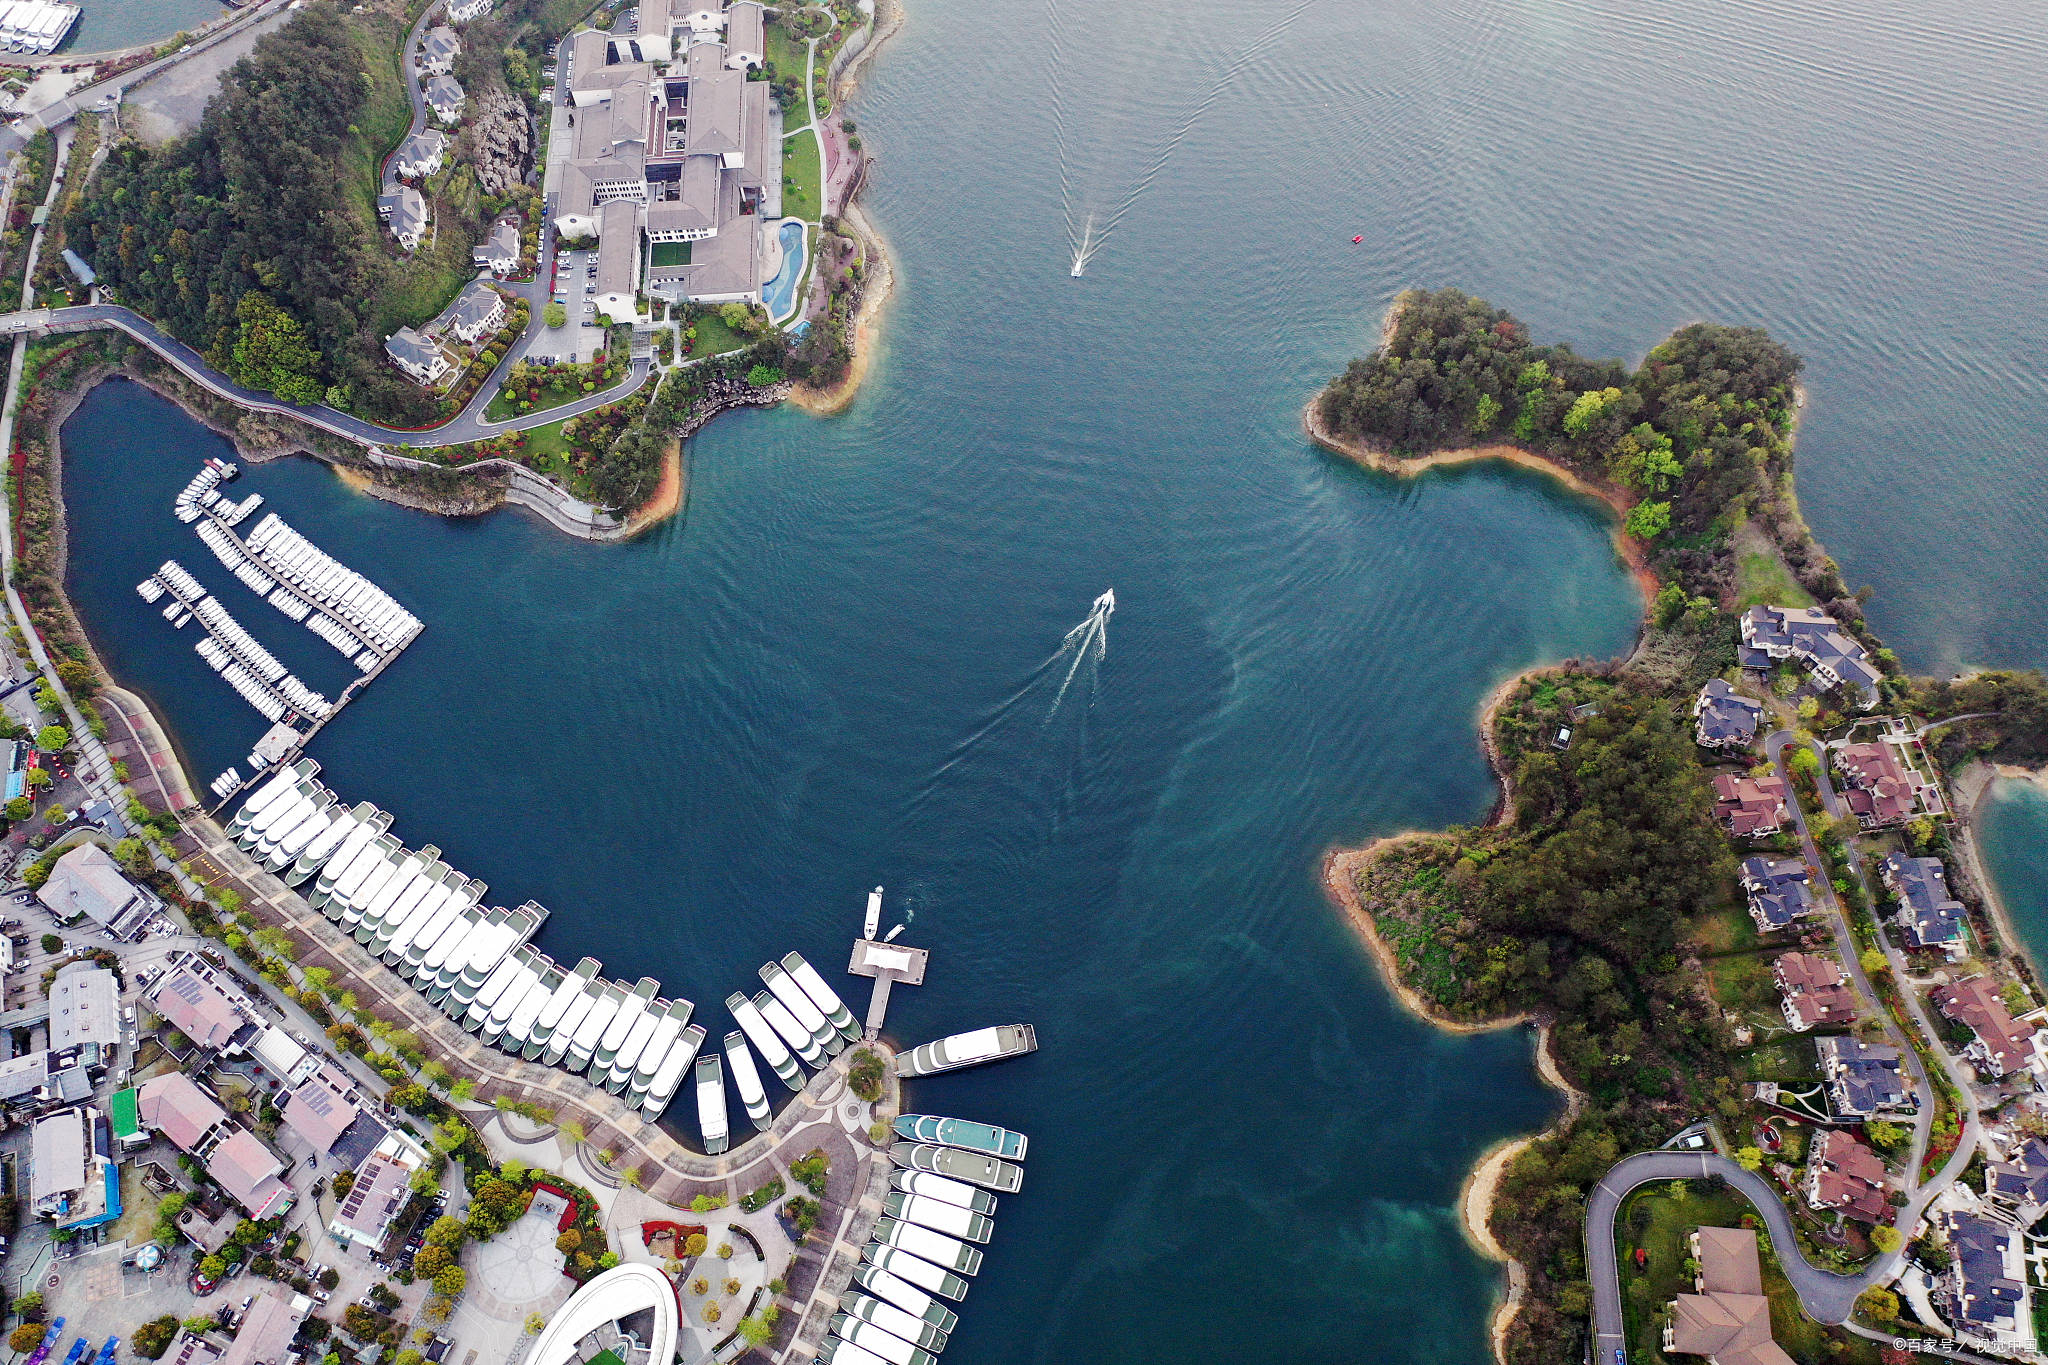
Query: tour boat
x=945 y=1189
x=948 y=1253
x=894 y=1321
x=976 y=1048
x=887 y=1345
x=955 y=1164
x=939 y=1216
x=794 y=999
x=823 y=996
x=890 y=1287
x=985 y=1138
x=710 y=1082
x=746 y=1078
x=915 y=1269
x=765 y=1040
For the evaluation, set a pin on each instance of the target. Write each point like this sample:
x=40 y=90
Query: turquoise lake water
x=843 y=665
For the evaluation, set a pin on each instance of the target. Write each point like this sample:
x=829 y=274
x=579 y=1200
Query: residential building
x=287 y=1058
x=1729 y=1319
x=87 y=883
x=383 y=1183
x=267 y=1329
x=1815 y=990
x=462 y=11
x=1986 y=1287
x=421 y=154
x=478 y=312
x=499 y=252
x=2020 y=1182
x=193 y=1000
x=1779 y=891
x=249 y=1172
x=445 y=97
x=73 y=1179
x=667 y=125
x=404 y=210
x=1844 y=1175
x=1881 y=787
x=192 y=1350
x=1723 y=718
x=25 y=1078
x=2003 y=1045
x=1930 y=916
x=1816 y=640
x=438 y=51
x=1864 y=1080
x=331 y=1117
x=1750 y=807
x=417 y=356
x=85 y=1011
x=175 y=1106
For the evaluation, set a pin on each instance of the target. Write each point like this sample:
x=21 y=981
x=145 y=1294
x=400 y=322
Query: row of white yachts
x=476 y=963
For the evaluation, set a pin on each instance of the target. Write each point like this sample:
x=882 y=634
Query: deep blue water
x=839 y=668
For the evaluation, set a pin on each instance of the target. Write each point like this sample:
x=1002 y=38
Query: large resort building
x=671 y=148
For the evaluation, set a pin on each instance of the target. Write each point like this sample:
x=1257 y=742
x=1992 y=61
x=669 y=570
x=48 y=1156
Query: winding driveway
x=467 y=425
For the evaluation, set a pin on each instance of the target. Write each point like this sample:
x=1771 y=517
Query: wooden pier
x=887 y=963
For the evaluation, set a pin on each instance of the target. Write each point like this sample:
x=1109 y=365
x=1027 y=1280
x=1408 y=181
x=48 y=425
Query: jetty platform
x=886 y=963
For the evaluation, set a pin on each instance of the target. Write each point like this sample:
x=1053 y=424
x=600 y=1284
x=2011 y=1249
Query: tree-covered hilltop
x=252 y=206
x=1699 y=435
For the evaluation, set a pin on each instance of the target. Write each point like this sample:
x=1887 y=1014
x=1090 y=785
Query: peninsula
x=528 y=244
x=1725 y=877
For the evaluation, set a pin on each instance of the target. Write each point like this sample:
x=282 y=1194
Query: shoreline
x=881 y=283
x=1970 y=788
x=1482 y=1181
x=668 y=494
x=1631 y=551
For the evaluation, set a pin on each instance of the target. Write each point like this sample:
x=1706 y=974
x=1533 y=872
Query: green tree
x=1873 y=961
x=25 y=1337
x=20 y=808
x=535 y=1324
x=452 y=1280
x=52 y=943
x=1643 y=459
x=30 y=1306
x=1749 y=1158
x=1878 y=1303
x=213 y=1268
x=1648 y=520
x=53 y=739
x=270 y=350
x=1484 y=415
x=36 y=778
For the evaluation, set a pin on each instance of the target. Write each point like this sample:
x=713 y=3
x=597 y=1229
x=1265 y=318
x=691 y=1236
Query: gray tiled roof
x=1929 y=913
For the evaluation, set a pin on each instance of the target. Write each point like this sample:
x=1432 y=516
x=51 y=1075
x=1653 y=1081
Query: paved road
x=468 y=425
x=1826 y=1296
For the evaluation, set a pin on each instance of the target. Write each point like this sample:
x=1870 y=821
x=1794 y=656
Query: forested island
x=1579 y=905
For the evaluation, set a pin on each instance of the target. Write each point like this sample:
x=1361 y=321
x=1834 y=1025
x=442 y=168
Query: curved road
x=467 y=425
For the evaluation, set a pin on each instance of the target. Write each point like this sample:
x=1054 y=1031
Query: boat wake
x=1089 y=642
x=1087 y=239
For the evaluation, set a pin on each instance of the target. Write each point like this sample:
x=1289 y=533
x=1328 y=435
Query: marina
x=36 y=27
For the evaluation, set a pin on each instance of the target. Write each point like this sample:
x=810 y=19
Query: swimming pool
x=779 y=294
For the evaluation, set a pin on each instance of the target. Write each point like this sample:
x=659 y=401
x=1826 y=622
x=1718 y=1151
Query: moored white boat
x=673 y=1068
x=791 y=1032
x=784 y=988
x=975 y=1048
x=746 y=1078
x=916 y=1269
x=823 y=996
x=975 y=1168
x=945 y=1189
x=711 y=1118
x=765 y=1040
x=939 y=1216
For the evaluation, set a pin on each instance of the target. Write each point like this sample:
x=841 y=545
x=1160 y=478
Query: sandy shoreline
x=1632 y=551
x=1969 y=789
x=1482 y=1183
x=668 y=494
x=880 y=283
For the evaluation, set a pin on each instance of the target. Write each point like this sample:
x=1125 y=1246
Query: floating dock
x=887 y=963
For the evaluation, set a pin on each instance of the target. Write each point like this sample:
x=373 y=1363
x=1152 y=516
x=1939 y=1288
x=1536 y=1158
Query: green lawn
x=786 y=54
x=1790 y=1060
x=546 y=448
x=1742 y=982
x=1655 y=1219
x=552 y=396
x=670 y=253
x=1730 y=930
x=714 y=337
x=1761 y=577
x=802 y=178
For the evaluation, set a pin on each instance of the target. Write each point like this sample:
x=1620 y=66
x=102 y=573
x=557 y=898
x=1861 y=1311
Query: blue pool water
x=780 y=292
